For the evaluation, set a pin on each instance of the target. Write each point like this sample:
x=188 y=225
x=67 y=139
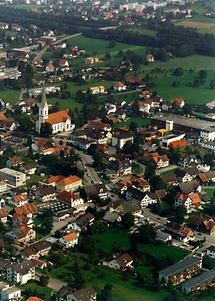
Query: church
x=60 y=121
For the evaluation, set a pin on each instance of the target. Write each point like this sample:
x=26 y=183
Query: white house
x=9 y=293
x=69 y=240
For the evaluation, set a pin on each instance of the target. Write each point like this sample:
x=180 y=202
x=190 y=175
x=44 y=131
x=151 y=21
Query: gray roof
x=196 y=281
x=110 y=216
x=180 y=266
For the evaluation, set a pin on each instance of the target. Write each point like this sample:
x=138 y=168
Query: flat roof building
x=13 y=177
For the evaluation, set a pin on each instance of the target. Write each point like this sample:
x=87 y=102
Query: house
x=180 y=271
x=70 y=183
x=119 y=87
x=50 y=68
x=13 y=177
x=21 y=272
x=178 y=102
x=41 y=144
x=6 y=124
x=29 y=168
x=83 y=294
x=170 y=179
x=204 y=224
x=69 y=240
x=122 y=262
x=63 y=293
x=14 y=161
x=210 y=251
x=189 y=201
x=3 y=186
x=144 y=198
x=160 y=161
x=111 y=217
x=22 y=234
x=9 y=293
x=188 y=187
x=91 y=60
x=45 y=193
x=182 y=233
x=163 y=236
x=143 y=107
x=60 y=121
x=150 y=58
x=73 y=199
x=19 y=200
x=97 y=90
x=3 y=216
x=122 y=167
x=200 y=283
x=96 y=191
x=120 y=138
x=36 y=250
x=54 y=180
x=85 y=220
x=186 y=174
x=28 y=209
x=135 y=81
x=21 y=219
x=128 y=206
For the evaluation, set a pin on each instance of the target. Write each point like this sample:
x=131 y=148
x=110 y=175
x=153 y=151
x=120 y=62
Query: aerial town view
x=107 y=150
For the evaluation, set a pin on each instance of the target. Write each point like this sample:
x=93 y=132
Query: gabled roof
x=58 y=117
x=70 y=237
x=69 y=180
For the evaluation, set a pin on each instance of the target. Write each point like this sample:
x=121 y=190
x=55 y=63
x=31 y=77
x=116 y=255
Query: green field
x=193 y=95
x=210 y=192
x=38 y=289
x=201 y=24
x=11 y=96
x=144 y=31
x=140 y=121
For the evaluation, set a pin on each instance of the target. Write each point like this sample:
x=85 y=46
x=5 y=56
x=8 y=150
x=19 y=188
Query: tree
x=156 y=183
x=202 y=74
x=133 y=126
x=112 y=44
x=187 y=109
x=79 y=280
x=106 y=292
x=107 y=56
x=147 y=233
x=44 y=280
x=212 y=84
x=46 y=129
x=208 y=263
x=181 y=211
x=128 y=220
x=149 y=170
x=178 y=71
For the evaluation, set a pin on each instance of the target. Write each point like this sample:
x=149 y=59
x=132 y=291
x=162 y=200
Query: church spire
x=43 y=98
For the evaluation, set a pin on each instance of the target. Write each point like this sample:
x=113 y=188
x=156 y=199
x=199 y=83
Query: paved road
x=64 y=38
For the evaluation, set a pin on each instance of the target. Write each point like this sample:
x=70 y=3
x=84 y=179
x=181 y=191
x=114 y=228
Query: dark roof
x=85 y=294
x=180 y=266
x=93 y=190
x=189 y=186
x=169 y=178
x=196 y=281
x=63 y=292
x=44 y=190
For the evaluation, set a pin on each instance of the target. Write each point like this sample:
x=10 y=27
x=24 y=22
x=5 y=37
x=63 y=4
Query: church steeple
x=43 y=109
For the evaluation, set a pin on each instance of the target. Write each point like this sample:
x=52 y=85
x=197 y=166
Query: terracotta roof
x=29 y=208
x=34 y=299
x=54 y=179
x=20 y=197
x=69 y=180
x=71 y=236
x=58 y=117
x=3 y=213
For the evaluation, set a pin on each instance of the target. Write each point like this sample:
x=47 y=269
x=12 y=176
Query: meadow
x=202 y=24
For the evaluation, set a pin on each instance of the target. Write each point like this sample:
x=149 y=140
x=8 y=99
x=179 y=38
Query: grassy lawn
x=10 y=96
x=210 y=192
x=140 y=121
x=196 y=62
x=168 y=172
x=46 y=292
x=65 y=103
x=194 y=95
x=160 y=251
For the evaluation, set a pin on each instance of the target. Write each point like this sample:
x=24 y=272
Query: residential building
x=69 y=240
x=122 y=262
x=180 y=271
x=119 y=87
x=9 y=293
x=22 y=234
x=18 y=200
x=45 y=193
x=96 y=191
x=36 y=250
x=83 y=294
x=13 y=177
x=120 y=138
x=190 y=201
x=202 y=282
x=73 y=199
x=144 y=198
x=3 y=187
x=97 y=90
x=70 y=183
x=21 y=272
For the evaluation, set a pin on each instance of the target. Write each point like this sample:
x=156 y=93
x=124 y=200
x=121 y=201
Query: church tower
x=43 y=110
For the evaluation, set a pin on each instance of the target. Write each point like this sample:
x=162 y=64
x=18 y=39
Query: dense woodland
x=67 y=24
x=177 y=40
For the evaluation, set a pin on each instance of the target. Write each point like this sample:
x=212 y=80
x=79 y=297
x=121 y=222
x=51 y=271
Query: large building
x=194 y=126
x=13 y=177
x=199 y=283
x=181 y=271
x=59 y=121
